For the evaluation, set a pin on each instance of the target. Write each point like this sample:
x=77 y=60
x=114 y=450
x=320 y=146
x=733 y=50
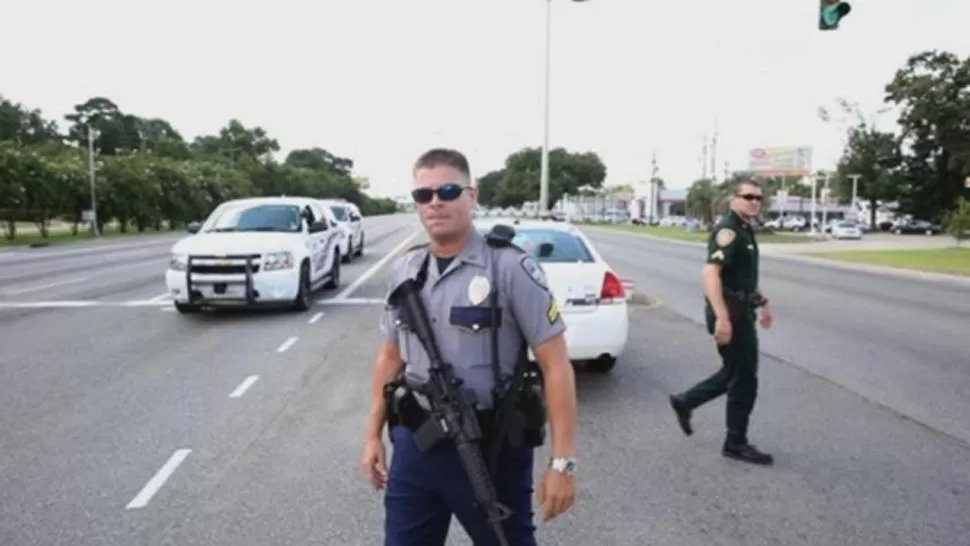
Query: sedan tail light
x=612 y=289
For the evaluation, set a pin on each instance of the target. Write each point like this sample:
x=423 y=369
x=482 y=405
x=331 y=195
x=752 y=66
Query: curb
x=834 y=264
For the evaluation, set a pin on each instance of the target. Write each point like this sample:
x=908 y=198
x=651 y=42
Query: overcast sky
x=379 y=81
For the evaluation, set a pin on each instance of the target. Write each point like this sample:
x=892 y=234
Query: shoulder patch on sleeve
x=725 y=236
x=552 y=313
x=717 y=256
x=535 y=272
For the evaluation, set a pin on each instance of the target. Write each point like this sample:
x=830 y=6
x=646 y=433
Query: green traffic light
x=831 y=12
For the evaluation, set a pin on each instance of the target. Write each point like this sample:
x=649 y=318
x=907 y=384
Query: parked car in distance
x=917 y=227
x=846 y=230
x=589 y=293
x=351 y=225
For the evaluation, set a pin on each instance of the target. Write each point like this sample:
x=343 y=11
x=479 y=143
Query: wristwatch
x=563 y=465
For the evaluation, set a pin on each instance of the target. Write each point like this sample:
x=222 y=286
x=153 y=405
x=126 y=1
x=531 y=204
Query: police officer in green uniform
x=731 y=299
x=423 y=489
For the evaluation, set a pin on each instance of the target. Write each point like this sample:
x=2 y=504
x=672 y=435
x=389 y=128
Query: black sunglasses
x=446 y=192
x=750 y=197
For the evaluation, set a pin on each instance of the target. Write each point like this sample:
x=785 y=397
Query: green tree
x=957 y=221
x=518 y=181
x=147 y=175
x=875 y=156
x=933 y=92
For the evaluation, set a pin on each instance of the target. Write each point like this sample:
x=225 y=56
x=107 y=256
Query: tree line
x=923 y=165
x=570 y=173
x=147 y=175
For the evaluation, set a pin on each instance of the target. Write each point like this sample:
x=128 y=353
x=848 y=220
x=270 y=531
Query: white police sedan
x=590 y=295
x=267 y=250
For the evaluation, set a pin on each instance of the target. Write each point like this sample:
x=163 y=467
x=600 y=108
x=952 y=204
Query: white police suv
x=351 y=225
x=248 y=252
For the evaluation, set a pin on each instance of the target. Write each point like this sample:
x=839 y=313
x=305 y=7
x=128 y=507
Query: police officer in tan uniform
x=424 y=489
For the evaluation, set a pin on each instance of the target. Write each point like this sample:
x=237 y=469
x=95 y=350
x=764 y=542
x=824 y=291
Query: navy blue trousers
x=424 y=490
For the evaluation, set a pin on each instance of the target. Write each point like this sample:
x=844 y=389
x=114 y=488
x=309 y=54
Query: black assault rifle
x=452 y=415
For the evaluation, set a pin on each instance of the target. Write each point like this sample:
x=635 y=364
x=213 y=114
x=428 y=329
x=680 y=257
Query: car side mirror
x=317 y=227
x=354 y=218
x=193 y=227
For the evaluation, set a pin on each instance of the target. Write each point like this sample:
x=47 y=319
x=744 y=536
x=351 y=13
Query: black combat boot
x=739 y=449
x=683 y=414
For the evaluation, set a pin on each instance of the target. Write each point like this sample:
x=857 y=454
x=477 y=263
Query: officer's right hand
x=722 y=331
x=374 y=463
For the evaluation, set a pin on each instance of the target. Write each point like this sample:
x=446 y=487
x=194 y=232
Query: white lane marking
x=158 y=480
x=351 y=301
x=285 y=346
x=244 y=386
x=160 y=297
x=48 y=304
x=163 y=305
x=139 y=303
x=39 y=287
x=315 y=318
x=374 y=268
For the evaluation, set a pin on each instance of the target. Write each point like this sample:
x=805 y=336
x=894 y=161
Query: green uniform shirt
x=732 y=245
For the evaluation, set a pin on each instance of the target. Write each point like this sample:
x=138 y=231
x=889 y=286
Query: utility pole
x=653 y=187
x=714 y=152
x=704 y=157
x=94 y=199
x=855 y=187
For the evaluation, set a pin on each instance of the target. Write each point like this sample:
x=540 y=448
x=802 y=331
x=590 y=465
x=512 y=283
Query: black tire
x=185 y=308
x=302 y=300
x=360 y=249
x=603 y=364
x=349 y=256
x=334 y=281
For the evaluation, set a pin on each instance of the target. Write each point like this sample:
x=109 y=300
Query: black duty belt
x=752 y=299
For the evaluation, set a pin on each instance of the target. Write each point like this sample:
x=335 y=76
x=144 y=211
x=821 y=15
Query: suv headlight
x=177 y=262
x=275 y=261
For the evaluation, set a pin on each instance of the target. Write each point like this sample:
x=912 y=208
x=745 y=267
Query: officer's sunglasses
x=446 y=192
x=750 y=197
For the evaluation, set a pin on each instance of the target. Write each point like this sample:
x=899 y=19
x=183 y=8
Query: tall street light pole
x=94 y=199
x=544 y=162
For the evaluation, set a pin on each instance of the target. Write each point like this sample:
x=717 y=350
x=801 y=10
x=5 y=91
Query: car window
x=340 y=212
x=264 y=217
x=846 y=225
x=566 y=247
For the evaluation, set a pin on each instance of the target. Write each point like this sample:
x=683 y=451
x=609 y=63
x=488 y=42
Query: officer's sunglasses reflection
x=446 y=192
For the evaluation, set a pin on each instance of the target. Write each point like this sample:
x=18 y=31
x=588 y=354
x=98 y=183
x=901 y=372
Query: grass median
x=62 y=236
x=951 y=261
x=681 y=234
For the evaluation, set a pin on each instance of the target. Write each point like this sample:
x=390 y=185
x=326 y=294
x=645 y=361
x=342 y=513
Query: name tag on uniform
x=475 y=319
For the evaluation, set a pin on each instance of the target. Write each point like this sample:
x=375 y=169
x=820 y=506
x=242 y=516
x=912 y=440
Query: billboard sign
x=784 y=161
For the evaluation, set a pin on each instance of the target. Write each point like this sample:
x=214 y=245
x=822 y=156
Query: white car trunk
x=576 y=286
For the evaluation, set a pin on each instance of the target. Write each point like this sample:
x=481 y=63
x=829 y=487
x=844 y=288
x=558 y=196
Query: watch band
x=563 y=465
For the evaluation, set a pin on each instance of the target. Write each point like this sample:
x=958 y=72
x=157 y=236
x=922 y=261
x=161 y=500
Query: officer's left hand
x=556 y=493
x=766 y=317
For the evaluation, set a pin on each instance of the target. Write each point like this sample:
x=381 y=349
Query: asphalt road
x=124 y=423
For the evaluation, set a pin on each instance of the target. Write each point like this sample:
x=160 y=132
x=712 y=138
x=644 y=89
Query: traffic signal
x=830 y=12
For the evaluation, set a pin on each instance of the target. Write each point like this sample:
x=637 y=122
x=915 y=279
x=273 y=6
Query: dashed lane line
x=144 y=496
x=315 y=318
x=244 y=386
x=366 y=275
x=285 y=346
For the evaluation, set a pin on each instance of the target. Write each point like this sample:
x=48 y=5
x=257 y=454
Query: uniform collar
x=741 y=221
x=472 y=253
